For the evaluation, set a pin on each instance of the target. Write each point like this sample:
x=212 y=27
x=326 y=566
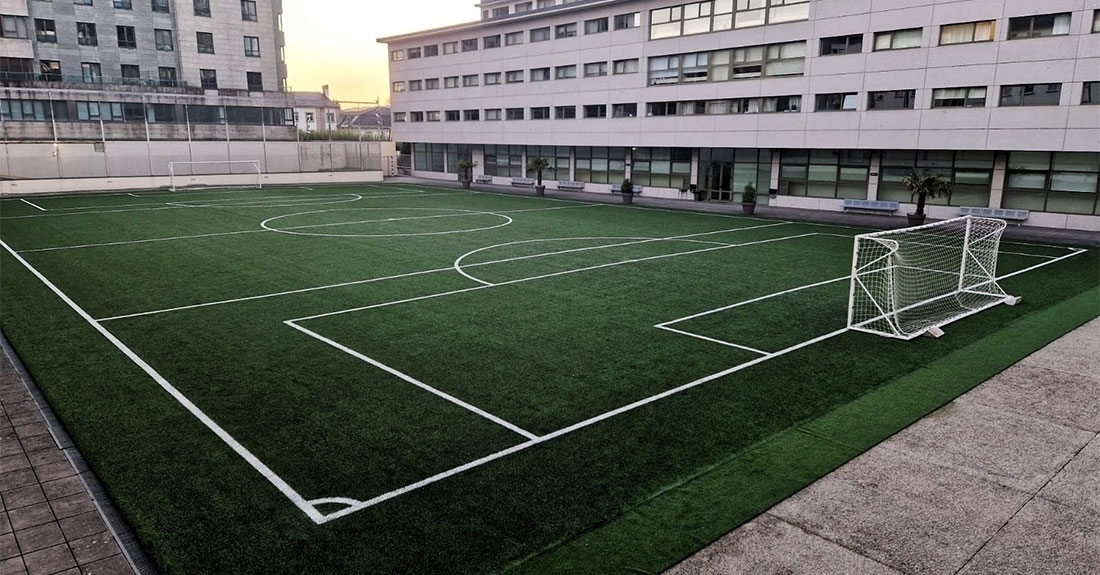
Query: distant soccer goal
x=913 y=281
x=215 y=174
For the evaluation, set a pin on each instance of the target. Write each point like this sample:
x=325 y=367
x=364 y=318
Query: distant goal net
x=215 y=174
x=913 y=281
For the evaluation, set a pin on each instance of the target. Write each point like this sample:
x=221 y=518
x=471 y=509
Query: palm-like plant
x=537 y=165
x=924 y=185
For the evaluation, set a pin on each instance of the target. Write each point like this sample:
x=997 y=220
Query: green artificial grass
x=565 y=336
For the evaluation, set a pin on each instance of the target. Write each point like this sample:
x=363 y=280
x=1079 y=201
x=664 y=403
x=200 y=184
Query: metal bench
x=527 y=182
x=1013 y=215
x=573 y=186
x=483 y=179
x=870 y=205
x=618 y=189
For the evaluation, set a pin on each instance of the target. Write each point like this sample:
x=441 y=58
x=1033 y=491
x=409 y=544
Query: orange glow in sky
x=333 y=41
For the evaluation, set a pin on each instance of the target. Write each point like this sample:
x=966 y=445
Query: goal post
x=215 y=174
x=913 y=281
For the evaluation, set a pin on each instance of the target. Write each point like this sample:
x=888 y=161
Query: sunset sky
x=333 y=41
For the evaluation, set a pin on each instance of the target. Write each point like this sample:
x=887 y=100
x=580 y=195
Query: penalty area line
x=32 y=204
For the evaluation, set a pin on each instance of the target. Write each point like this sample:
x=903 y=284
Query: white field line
x=133 y=194
x=150 y=240
x=711 y=339
x=222 y=434
x=1076 y=252
x=414 y=381
x=33 y=205
x=754 y=300
x=55 y=214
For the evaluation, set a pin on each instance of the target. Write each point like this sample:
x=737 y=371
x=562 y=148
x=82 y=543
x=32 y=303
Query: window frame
x=597 y=26
x=254 y=50
x=204 y=47
x=891 y=34
x=47 y=33
x=846 y=99
x=947 y=28
x=967 y=99
x=567 y=30
x=249 y=15
x=1031 y=32
x=1025 y=90
x=847 y=45
x=130 y=42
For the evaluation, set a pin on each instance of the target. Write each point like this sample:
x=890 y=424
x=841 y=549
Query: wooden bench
x=571 y=186
x=483 y=179
x=870 y=205
x=526 y=182
x=1017 y=216
x=618 y=189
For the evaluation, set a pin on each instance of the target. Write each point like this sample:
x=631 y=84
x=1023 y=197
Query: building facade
x=816 y=101
x=142 y=69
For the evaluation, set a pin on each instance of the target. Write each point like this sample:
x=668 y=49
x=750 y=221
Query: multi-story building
x=816 y=101
x=90 y=69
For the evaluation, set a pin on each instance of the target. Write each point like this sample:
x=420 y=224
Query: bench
x=573 y=186
x=618 y=189
x=483 y=179
x=870 y=205
x=1013 y=215
x=527 y=182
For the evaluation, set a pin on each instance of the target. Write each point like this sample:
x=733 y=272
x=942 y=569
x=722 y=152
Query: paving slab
x=1061 y=397
x=1078 y=483
x=1076 y=352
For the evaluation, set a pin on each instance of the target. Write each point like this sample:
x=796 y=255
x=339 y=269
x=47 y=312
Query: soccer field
x=398 y=378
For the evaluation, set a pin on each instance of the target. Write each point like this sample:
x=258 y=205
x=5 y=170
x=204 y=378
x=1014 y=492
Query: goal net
x=912 y=281
x=215 y=174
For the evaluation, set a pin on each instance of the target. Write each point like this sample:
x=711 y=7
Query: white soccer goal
x=215 y=174
x=913 y=281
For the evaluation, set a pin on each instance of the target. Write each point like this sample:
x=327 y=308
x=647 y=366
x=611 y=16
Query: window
x=45 y=30
x=85 y=33
x=513 y=38
x=595 y=69
x=167 y=76
x=842 y=45
x=126 y=37
x=91 y=72
x=504 y=161
x=33 y=110
x=891 y=100
x=252 y=46
x=450 y=82
x=205 y=41
x=397 y=55
x=747 y=62
x=1038 y=26
x=523 y=7
x=1063 y=182
x=202 y=7
x=82 y=2
x=600 y=165
x=398 y=87
x=492 y=114
x=432 y=116
x=595 y=26
x=416 y=85
x=163 y=40
x=540 y=74
x=431 y=84
x=513 y=77
x=625 y=66
x=624 y=21
x=471 y=115
x=898 y=39
x=703 y=17
x=399 y=117
x=500 y=12
x=416 y=116
x=50 y=69
x=248 y=10
x=450 y=47
x=662 y=167
x=412 y=53
x=557 y=159
x=565 y=72
x=492 y=78
x=565 y=112
x=624 y=110
x=123 y=4
x=160 y=6
x=469 y=45
x=973 y=97
x=1090 y=93
x=595 y=111
x=565 y=30
x=131 y=73
x=430 y=51
x=733 y=106
x=1095 y=21
x=208 y=79
x=540 y=34
x=825 y=173
x=469 y=80
x=256 y=82
x=1031 y=95
x=836 y=102
x=491 y=41
x=540 y=113
x=87 y=111
x=969 y=32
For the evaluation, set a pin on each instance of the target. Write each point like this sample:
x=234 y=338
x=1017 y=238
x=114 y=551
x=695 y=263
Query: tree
x=466 y=171
x=924 y=185
x=537 y=165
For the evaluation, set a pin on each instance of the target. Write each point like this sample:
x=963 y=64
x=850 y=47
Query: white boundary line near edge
x=222 y=434
x=33 y=205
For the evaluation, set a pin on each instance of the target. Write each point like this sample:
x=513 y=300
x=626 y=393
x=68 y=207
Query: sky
x=334 y=41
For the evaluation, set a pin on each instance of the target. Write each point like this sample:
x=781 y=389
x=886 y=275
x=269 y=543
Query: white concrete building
x=818 y=101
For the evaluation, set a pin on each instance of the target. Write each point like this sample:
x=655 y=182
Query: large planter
x=466 y=184
x=628 y=197
x=748 y=208
x=540 y=190
x=915 y=219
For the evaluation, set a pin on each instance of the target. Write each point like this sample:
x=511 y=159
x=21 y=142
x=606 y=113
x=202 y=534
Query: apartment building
x=817 y=101
x=141 y=69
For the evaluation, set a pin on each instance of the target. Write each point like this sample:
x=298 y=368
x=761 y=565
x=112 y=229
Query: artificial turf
x=565 y=334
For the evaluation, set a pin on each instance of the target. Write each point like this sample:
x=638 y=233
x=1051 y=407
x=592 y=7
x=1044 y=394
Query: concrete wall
x=24 y=187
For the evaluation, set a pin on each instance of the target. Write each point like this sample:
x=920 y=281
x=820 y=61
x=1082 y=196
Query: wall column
x=874 y=175
x=997 y=184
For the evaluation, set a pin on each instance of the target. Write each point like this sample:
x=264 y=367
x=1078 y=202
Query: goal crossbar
x=215 y=173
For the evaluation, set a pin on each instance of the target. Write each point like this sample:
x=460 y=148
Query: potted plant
x=748 y=199
x=924 y=186
x=627 y=191
x=466 y=172
x=537 y=165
